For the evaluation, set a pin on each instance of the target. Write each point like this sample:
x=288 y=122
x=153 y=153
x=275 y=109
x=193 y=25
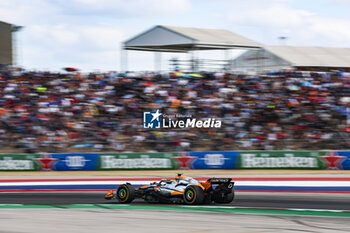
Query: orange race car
x=183 y=189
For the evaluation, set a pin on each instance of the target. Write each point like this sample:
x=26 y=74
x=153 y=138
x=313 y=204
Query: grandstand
x=288 y=110
x=41 y=111
x=275 y=58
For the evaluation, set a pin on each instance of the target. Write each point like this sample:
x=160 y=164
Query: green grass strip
x=214 y=209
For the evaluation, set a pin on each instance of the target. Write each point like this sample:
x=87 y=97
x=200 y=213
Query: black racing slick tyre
x=207 y=199
x=224 y=199
x=193 y=195
x=125 y=193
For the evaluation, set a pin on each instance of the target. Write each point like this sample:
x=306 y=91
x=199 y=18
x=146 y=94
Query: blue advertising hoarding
x=214 y=160
x=75 y=162
x=339 y=160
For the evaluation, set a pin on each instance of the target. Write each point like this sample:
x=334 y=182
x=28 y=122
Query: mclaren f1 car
x=181 y=190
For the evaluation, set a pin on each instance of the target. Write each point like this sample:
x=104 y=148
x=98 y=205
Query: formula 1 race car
x=181 y=190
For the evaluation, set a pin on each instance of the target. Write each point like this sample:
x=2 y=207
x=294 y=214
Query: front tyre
x=193 y=195
x=125 y=193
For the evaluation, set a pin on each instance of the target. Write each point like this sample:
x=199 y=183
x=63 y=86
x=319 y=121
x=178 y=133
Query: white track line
x=239 y=183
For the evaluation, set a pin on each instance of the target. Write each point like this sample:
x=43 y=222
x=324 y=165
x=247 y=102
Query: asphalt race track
x=109 y=216
x=110 y=220
x=242 y=199
x=39 y=206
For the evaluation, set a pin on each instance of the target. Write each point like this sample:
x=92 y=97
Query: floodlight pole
x=157 y=61
x=227 y=55
x=193 y=61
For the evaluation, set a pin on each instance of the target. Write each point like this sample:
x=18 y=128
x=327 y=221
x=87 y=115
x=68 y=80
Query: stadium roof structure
x=312 y=56
x=182 y=39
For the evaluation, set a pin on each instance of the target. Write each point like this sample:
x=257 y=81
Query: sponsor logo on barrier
x=8 y=163
x=75 y=161
x=288 y=160
x=333 y=161
x=46 y=163
x=111 y=162
x=184 y=161
x=157 y=120
x=342 y=160
x=214 y=159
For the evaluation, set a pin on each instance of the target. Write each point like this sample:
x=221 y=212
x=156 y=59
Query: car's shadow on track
x=144 y=203
x=260 y=200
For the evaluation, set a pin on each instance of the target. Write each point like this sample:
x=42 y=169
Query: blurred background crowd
x=69 y=112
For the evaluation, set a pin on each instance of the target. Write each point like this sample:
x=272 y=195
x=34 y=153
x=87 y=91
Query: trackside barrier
x=213 y=160
x=170 y=161
x=140 y=161
x=282 y=160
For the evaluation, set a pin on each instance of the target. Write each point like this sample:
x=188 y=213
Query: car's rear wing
x=224 y=184
x=219 y=180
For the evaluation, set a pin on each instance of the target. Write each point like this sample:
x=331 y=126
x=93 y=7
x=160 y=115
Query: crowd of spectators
x=60 y=112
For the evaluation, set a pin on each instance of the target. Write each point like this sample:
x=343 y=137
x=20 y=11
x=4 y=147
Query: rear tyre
x=223 y=199
x=193 y=195
x=207 y=199
x=125 y=193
